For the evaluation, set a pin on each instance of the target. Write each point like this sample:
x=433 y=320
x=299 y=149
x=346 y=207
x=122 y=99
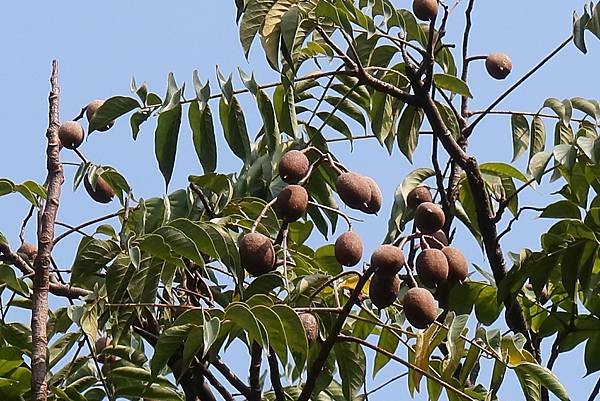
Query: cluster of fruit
x=436 y=264
x=71 y=136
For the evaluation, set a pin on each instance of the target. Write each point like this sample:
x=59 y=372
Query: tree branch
x=254 y=372
x=275 y=377
x=315 y=370
x=465 y=53
x=232 y=378
x=86 y=224
x=41 y=279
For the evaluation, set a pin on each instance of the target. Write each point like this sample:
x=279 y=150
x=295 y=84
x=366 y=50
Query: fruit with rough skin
x=458 y=267
x=292 y=202
x=71 y=134
x=91 y=109
x=388 y=259
x=311 y=327
x=101 y=344
x=348 y=249
x=354 y=189
x=103 y=193
x=384 y=289
x=425 y=10
x=498 y=65
x=417 y=196
x=429 y=217
x=257 y=254
x=293 y=166
x=439 y=240
x=29 y=250
x=432 y=267
x=374 y=204
x=419 y=307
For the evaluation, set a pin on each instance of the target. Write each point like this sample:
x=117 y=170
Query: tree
x=152 y=303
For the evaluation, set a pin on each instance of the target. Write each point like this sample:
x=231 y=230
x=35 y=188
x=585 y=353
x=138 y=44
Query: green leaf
x=563 y=209
x=449 y=118
x=274 y=326
x=165 y=139
x=592 y=350
x=118 y=275
x=566 y=155
x=389 y=342
x=503 y=170
x=8 y=277
x=168 y=342
x=155 y=392
x=452 y=84
x=234 y=127
x=538 y=136
x=579 y=25
x=348 y=108
x=243 y=317
x=336 y=123
x=110 y=110
x=352 y=367
x=381 y=112
x=61 y=347
x=538 y=163
x=487 y=308
x=252 y=20
x=6 y=187
x=295 y=334
x=203 y=135
x=408 y=130
x=10 y=358
x=544 y=377
x=520 y=134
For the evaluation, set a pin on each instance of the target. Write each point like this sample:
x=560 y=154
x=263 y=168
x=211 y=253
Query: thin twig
x=254 y=372
x=505 y=94
x=465 y=58
x=387 y=383
x=74 y=229
x=198 y=191
x=336 y=211
x=522 y=113
x=407 y=364
x=595 y=391
x=262 y=214
x=516 y=217
x=232 y=378
x=24 y=224
x=86 y=224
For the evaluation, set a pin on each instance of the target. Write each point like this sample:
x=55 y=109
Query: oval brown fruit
x=432 y=267
x=419 y=307
x=71 y=134
x=348 y=249
x=354 y=190
x=311 y=327
x=91 y=109
x=257 y=254
x=384 y=289
x=292 y=202
x=103 y=193
x=458 y=266
x=498 y=65
x=425 y=10
x=429 y=217
x=388 y=259
x=293 y=166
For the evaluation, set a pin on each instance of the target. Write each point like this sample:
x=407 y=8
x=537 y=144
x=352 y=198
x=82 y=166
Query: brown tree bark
x=41 y=279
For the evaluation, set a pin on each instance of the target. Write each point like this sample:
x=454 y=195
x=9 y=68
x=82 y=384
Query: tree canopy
x=164 y=286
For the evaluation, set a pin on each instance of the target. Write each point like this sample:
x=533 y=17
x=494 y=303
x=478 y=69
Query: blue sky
x=102 y=45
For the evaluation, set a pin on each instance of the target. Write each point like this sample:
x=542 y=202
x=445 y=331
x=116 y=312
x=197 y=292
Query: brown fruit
x=425 y=10
x=29 y=250
x=292 y=202
x=419 y=307
x=91 y=108
x=458 y=267
x=429 y=217
x=311 y=327
x=439 y=235
x=432 y=267
x=417 y=196
x=348 y=249
x=101 y=344
x=354 y=189
x=374 y=204
x=71 y=134
x=384 y=289
x=293 y=166
x=103 y=192
x=257 y=254
x=498 y=65
x=388 y=259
